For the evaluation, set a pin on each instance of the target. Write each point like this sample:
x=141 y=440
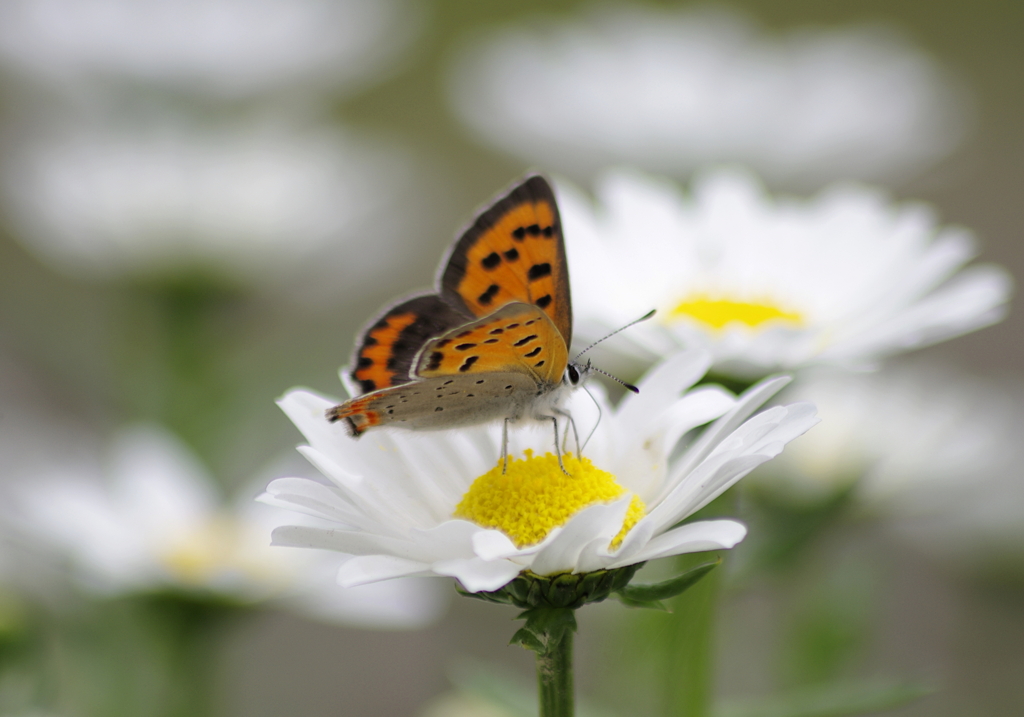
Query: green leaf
x=647 y=604
x=835 y=700
x=648 y=595
x=544 y=626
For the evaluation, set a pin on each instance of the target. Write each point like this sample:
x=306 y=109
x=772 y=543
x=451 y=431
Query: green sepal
x=650 y=596
x=545 y=626
x=564 y=590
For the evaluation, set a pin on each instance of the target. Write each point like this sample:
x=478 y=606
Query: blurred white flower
x=937 y=451
x=405 y=503
x=153 y=522
x=254 y=203
x=769 y=283
x=670 y=91
x=227 y=47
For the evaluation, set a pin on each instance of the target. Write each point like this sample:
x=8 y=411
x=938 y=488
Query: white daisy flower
x=227 y=47
x=401 y=503
x=768 y=283
x=670 y=91
x=259 y=204
x=936 y=449
x=153 y=523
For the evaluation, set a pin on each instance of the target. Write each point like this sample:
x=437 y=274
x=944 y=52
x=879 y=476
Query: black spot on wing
x=512 y=254
x=435 y=361
x=464 y=347
x=487 y=297
x=468 y=363
x=368 y=385
x=534 y=352
x=525 y=340
x=544 y=301
x=491 y=261
x=539 y=271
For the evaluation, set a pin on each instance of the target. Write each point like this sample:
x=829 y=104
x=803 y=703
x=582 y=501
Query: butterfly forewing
x=516 y=338
x=514 y=251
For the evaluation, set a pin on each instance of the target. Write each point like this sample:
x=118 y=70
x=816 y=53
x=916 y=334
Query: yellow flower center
x=719 y=313
x=212 y=548
x=534 y=496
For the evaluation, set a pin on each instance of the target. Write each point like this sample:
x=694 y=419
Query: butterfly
x=492 y=343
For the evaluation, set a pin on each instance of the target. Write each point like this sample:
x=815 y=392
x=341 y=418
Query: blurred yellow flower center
x=534 y=496
x=719 y=313
x=210 y=549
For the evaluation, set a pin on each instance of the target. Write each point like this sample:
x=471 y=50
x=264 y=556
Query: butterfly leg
x=570 y=423
x=504 y=447
x=554 y=421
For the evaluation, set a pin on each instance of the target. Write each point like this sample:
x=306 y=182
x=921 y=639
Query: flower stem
x=689 y=668
x=554 y=677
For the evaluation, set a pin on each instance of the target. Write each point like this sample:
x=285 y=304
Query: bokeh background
x=199 y=206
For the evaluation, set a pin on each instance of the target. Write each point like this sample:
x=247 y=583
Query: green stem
x=554 y=677
x=689 y=666
x=189 y=632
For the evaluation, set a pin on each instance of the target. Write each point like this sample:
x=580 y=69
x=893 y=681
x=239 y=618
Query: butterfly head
x=576 y=373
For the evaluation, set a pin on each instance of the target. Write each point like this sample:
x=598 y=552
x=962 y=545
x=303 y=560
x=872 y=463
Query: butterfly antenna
x=630 y=386
x=646 y=316
x=596 y=423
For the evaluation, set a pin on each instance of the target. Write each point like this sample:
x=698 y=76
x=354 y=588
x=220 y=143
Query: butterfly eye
x=574 y=375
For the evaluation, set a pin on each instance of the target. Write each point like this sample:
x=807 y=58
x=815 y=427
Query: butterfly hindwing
x=438 y=402
x=516 y=338
x=388 y=346
x=513 y=251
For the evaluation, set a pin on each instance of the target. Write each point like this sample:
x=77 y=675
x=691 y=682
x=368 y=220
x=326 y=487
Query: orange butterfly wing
x=516 y=338
x=513 y=251
x=390 y=343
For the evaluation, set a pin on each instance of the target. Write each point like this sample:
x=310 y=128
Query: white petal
x=476 y=574
x=690 y=538
x=351 y=542
x=663 y=384
x=753 y=443
x=720 y=429
x=635 y=541
x=311 y=498
x=365 y=569
x=600 y=522
x=493 y=544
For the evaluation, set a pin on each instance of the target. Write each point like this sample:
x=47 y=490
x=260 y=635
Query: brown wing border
x=423 y=317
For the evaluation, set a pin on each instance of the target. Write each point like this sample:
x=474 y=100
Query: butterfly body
x=491 y=344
